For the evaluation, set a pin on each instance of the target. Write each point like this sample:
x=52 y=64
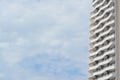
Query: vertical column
x=117 y=38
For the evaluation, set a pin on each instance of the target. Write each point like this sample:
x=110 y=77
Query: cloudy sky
x=44 y=39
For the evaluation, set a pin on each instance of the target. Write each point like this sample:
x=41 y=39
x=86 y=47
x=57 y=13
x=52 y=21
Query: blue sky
x=44 y=39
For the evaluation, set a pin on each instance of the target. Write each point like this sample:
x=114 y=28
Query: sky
x=44 y=39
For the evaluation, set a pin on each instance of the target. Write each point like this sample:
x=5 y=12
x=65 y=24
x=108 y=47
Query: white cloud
x=4 y=45
x=21 y=41
x=2 y=75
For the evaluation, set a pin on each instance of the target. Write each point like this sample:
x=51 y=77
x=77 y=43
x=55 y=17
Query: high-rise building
x=105 y=40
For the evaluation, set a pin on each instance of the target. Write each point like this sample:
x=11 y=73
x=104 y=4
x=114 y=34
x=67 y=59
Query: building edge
x=117 y=37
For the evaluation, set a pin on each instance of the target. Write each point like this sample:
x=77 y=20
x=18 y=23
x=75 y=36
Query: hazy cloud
x=44 y=39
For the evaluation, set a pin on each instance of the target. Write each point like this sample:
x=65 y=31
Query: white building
x=104 y=40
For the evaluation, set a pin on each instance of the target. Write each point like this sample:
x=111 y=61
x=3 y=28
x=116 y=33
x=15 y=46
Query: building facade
x=104 y=40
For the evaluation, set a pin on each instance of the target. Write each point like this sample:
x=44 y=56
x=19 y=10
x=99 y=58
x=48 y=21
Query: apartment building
x=104 y=57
